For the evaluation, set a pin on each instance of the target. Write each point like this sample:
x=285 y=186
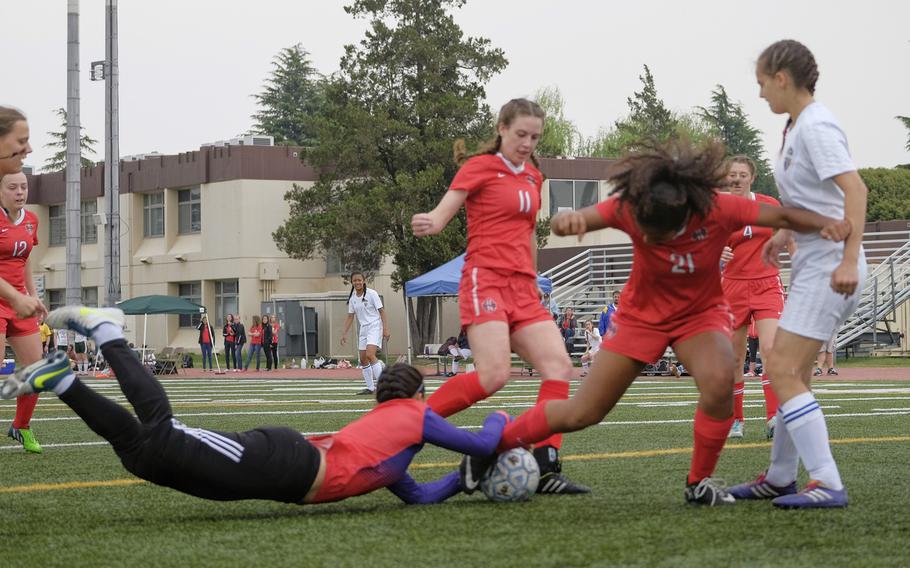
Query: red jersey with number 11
x=679 y=277
x=502 y=207
x=17 y=237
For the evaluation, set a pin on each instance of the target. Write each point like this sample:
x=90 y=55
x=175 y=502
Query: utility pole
x=73 y=159
x=111 y=157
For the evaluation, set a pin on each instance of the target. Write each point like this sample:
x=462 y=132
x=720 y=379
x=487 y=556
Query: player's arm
x=439 y=432
x=846 y=277
x=24 y=306
x=578 y=222
x=425 y=224
x=347 y=326
x=414 y=493
x=803 y=221
x=40 y=310
x=386 y=332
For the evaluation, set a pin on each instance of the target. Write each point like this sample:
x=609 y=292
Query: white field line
x=475 y=427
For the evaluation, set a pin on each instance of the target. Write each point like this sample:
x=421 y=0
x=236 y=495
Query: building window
x=56 y=216
x=189 y=211
x=153 y=214
x=227 y=299
x=90 y=297
x=191 y=291
x=333 y=263
x=88 y=230
x=566 y=195
x=55 y=299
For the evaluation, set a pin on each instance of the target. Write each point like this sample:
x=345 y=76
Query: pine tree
x=57 y=161
x=291 y=97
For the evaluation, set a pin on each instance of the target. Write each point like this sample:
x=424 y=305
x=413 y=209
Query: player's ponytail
x=398 y=381
x=509 y=112
x=665 y=184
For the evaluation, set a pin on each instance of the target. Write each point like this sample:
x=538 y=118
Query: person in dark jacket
x=239 y=340
x=567 y=324
x=267 y=341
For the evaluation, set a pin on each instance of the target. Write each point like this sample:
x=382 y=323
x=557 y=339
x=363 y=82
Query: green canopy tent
x=157 y=304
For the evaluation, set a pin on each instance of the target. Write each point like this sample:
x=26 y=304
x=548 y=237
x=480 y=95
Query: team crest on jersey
x=29 y=227
x=489 y=305
x=700 y=234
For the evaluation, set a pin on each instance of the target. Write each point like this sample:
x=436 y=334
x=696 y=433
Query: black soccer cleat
x=472 y=469
x=552 y=481
x=708 y=492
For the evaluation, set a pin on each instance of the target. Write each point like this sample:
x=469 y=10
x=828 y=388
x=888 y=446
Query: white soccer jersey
x=61 y=337
x=815 y=150
x=366 y=308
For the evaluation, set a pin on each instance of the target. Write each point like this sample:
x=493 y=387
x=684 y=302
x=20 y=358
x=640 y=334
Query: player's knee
x=494 y=378
x=556 y=369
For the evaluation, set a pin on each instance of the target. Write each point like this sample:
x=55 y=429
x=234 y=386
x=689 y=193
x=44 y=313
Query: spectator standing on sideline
x=826 y=357
x=62 y=340
x=47 y=337
x=230 y=337
x=205 y=341
x=276 y=327
x=255 y=344
x=239 y=341
x=80 y=348
x=267 y=340
x=607 y=313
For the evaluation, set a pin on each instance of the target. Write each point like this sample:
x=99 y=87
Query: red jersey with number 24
x=747 y=244
x=17 y=238
x=502 y=207
x=680 y=277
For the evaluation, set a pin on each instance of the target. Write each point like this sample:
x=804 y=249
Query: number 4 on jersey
x=682 y=264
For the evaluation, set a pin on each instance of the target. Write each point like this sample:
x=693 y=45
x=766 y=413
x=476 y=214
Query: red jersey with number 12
x=747 y=244
x=502 y=207
x=17 y=237
x=680 y=277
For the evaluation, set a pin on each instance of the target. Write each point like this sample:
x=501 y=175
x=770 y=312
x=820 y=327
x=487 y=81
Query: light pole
x=109 y=71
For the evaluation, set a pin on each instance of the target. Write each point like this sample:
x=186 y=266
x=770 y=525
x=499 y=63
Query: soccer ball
x=514 y=477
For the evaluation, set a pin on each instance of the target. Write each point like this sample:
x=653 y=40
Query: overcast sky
x=188 y=67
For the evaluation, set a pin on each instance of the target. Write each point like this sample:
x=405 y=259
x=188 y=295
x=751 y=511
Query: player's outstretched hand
x=569 y=223
x=845 y=279
x=770 y=253
x=837 y=230
x=424 y=225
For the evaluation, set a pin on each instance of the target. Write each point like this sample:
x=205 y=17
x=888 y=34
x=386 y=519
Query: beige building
x=199 y=224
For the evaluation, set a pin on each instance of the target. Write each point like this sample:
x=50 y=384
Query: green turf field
x=75 y=506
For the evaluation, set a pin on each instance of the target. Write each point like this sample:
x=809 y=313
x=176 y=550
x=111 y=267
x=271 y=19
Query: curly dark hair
x=399 y=381
x=664 y=184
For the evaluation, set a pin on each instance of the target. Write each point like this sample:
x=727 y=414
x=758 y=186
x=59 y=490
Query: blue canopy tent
x=443 y=281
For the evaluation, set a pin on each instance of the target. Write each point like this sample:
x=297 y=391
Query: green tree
x=728 y=121
x=383 y=147
x=291 y=97
x=648 y=119
x=906 y=121
x=889 y=193
x=57 y=161
x=560 y=136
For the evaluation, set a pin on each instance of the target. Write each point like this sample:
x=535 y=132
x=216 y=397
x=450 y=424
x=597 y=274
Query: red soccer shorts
x=11 y=326
x=762 y=298
x=486 y=294
x=647 y=342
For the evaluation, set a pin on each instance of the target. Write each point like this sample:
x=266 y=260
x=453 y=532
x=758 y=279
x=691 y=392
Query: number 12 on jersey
x=682 y=264
x=19 y=248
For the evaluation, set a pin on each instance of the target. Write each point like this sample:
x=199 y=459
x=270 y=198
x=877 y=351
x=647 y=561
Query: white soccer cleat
x=84 y=320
